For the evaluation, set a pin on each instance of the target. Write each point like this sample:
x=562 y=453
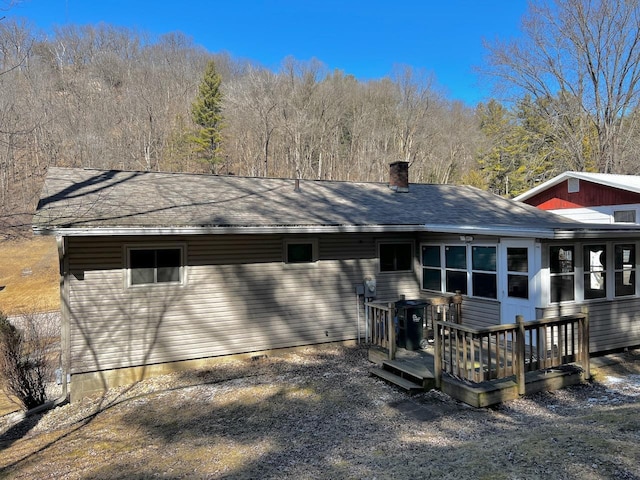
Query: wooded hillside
x=110 y=98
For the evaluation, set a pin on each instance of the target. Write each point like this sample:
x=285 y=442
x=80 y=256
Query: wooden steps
x=413 y=373
x=412 y=376
x=397 y=380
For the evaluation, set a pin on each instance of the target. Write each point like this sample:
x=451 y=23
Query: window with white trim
x=624 y=216
x=155 y=265
x=455 y=268
x=600 y=263
x=431 y=268
x=518 y=272
x=562 y=273
x=395 y=256
x=624 y=269
x=484 y=278
x=595 y=271
x=470 y=269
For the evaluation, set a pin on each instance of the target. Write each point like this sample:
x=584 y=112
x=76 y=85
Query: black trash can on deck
x=410 y=315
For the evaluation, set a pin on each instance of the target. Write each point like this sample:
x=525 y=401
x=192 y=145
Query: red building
x=589 y=197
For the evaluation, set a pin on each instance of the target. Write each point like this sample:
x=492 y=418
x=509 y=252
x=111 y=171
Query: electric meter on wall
x=369 y=287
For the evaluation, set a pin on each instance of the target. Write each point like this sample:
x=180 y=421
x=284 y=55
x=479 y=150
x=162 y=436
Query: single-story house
x=166 y=270
x=589 y=197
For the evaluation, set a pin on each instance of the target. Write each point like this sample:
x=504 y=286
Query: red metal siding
x=590 y=195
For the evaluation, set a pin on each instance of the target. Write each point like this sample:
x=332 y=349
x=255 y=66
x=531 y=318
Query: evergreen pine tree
x=206 y=112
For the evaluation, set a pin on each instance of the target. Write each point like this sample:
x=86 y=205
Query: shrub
x=25 y=358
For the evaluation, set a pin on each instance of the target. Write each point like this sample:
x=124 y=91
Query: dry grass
x=8 y=404
x=27 y=266
x=29 y=275
x=319 y=415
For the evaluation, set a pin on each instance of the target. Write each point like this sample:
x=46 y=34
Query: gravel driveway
x=318 y=414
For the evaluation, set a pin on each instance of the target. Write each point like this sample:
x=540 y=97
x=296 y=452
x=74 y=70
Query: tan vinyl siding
x=239 y=297
x=612 y=324
x=479 y=312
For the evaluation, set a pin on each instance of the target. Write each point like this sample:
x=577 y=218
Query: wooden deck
x=479 y=366
x=413 y=372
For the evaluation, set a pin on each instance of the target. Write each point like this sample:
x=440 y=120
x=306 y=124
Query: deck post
x=437 y=359
x=586 y=357
x=391 y=331
x=520 y=354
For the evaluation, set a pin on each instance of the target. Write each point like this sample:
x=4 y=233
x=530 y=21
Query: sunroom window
x=431 y=268
x=455 y=268
x=518 y=272
x=595 y=275
x=483 y=274
x=562 y=273
x=625 y=269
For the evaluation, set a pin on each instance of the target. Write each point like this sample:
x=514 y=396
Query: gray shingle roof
x=87 y=199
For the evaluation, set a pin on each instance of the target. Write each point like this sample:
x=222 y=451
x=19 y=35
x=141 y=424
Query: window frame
x=473 y=272
x=438 y=268
x=575 y=278
x=469 y=271
x=518 y=274
x=182 y=270
x=582 y=271
x=633 y=269
x=381 y=243
x=620 y=213
x=300 y=241
x=590 y=271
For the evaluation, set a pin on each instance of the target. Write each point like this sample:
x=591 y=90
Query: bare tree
x=28 y=357
x=582 y=55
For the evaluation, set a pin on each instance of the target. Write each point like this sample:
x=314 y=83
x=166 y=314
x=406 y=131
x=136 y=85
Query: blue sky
x=363 y=38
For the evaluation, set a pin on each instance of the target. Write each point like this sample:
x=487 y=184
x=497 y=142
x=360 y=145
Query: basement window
x=150 y=266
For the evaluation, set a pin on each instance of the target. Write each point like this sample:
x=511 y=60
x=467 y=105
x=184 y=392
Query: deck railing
x=501 y=351
x=381 y=330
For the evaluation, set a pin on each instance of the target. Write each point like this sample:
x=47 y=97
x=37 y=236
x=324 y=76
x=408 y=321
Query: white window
x=155 y=265
x=469 y=269
x=431 y=268
x=625 y=269
x=599 y=266
x=455 y=267
x=484 y=279
x=595 y=271
x=518 y=272
x=562 y=272
x=573 y=185
x=624 y=216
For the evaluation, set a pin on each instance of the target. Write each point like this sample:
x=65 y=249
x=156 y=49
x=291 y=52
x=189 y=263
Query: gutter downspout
x=65 y=342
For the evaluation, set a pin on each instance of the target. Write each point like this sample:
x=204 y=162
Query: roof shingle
x=83 y=198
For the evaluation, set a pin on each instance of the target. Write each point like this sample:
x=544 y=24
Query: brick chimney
x=399 y=176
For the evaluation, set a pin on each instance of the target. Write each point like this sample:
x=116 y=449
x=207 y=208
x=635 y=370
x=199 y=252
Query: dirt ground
x=318 y=414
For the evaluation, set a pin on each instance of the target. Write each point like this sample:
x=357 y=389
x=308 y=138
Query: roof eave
x=591 y=233
x=498 y=231
x=212 y=230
